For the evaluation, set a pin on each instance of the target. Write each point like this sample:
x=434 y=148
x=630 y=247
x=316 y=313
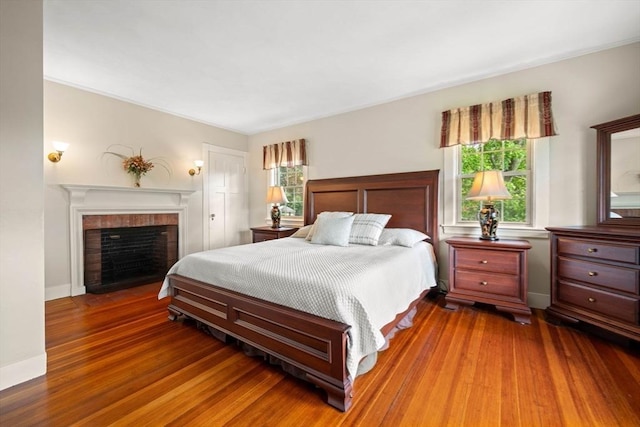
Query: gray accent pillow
x=367 y=228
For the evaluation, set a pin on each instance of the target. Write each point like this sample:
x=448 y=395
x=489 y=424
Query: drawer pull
x=483 y=283
x=593 y=273
x=592 y=250
x=591 y=299
x=484 y=261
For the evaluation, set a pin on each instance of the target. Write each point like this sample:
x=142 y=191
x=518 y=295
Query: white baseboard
x=55 y=292
x=22 y=371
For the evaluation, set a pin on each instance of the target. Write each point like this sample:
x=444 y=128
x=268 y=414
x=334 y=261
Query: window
x=528 y=183
x=513 y=159
x=292 y=180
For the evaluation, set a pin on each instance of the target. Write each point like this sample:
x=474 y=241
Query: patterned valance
x=527 y=116
x=284 y=154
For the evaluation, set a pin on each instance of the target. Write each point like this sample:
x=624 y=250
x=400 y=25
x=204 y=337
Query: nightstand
x=490 y=272
x=260 y=234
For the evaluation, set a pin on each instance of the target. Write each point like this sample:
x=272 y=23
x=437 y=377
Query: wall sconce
x=60 y=148
x=198 y=164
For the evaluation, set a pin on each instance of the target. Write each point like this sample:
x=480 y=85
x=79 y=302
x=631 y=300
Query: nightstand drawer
x=495 y=284
x=483 y=260
x=262 y=234
x=598 y=250
x=601 y=302
x=261 y=237
x=610 y=276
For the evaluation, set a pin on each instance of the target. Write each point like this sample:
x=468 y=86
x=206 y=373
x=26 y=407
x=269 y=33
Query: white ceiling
x=251 y=66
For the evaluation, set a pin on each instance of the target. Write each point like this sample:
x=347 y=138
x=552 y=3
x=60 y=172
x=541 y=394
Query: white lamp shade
x=488 y=185
x=198 y=163
x=60 y=146
x=276 y=194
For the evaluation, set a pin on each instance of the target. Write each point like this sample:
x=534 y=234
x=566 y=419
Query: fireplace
x=93 y=207
x=121 y=251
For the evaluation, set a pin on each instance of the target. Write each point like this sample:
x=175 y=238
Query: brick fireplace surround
x=107 y=207
x=113 y=261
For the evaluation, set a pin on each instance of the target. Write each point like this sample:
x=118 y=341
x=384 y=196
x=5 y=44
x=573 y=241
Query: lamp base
x=275 y=217
x=488 y=218
x=493 y=239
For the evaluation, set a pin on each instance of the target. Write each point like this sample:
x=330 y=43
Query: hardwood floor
x=115 y=359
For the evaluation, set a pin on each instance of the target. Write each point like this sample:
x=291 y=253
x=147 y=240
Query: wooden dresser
x=595 y=277
x=490 y=272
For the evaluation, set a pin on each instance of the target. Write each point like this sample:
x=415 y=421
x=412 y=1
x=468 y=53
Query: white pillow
x=401 y=237
x=332 y=230
x=367 y=228
x=326 y=214
x=302 y=232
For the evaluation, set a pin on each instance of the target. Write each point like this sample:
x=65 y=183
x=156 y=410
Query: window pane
x=515 y=155
x=509 y=156
x=515 y=209
x=469 y=209
x=471 y=159
x=291 y=179
x=493 y=145
x=493 y=160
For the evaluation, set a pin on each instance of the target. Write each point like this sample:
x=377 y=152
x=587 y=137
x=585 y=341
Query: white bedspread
x=361 y=286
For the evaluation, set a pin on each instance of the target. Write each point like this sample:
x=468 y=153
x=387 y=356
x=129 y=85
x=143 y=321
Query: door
x=227 y=217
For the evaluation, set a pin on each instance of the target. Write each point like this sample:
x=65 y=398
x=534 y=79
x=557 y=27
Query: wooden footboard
x=316 y=346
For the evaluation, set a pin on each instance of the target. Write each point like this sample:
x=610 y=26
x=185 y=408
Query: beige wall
x=22 y=345
x=91 y=123
x=403 y=136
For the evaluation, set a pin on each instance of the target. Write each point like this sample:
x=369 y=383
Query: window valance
x=527 y=116
x=284 y=154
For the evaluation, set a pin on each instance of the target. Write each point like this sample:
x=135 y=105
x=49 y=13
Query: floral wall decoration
x=135 y=164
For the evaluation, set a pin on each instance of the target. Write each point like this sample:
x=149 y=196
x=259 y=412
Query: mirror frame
x=604 y=169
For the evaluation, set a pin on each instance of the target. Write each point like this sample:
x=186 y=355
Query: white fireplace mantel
x=105 y=200
x=78 y=193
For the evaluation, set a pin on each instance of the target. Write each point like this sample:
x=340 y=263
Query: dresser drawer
x=598 y=250
x=496 y=284
x=610 y=276
x=482 y=260
x=600 y=302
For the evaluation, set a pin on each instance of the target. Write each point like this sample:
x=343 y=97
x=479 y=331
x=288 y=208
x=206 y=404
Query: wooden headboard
x=410 y=198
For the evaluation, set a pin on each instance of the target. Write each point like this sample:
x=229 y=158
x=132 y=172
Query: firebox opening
x=118 y=258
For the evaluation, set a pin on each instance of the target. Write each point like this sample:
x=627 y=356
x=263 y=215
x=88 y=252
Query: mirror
x=619 y=172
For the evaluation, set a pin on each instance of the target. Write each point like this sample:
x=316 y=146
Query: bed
x=314 y=347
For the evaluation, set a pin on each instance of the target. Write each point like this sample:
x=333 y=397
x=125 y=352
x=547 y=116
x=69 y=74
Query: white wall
x=403 y=136
x=91 y=123
x=22 y=345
